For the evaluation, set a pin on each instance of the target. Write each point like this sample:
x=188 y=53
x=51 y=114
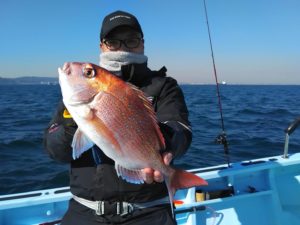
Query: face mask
x=113 y=61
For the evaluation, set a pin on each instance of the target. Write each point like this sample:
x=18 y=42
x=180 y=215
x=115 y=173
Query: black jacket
x=100 y=182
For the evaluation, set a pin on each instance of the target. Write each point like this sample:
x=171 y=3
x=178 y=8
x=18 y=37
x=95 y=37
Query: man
x=100 y=196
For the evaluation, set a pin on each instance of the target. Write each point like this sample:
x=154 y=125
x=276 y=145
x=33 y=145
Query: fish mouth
x=74 y=102
x=65 y=69
x=60 y=73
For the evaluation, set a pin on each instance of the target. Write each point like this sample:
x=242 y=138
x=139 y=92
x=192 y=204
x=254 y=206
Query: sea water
x=255 y=117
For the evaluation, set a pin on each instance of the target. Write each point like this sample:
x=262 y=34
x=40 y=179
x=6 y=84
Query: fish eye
x=88 y=71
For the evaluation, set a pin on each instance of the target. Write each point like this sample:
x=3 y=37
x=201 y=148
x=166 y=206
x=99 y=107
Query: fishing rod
x=221 y=138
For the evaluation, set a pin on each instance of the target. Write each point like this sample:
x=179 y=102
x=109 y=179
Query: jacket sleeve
x=58 y=136
x=173 y=114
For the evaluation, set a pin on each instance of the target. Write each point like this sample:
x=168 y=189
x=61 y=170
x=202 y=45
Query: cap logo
x=118 y=16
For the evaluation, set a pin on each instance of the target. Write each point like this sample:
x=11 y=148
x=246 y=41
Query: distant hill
x=29 y=81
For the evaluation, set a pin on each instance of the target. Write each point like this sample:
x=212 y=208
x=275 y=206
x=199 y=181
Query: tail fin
x=181 y=179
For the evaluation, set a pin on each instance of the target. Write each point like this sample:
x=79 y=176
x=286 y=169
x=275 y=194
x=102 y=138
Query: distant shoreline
x=30 y=80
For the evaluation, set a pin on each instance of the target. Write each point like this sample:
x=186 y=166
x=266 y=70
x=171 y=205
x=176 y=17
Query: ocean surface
x=255 y=117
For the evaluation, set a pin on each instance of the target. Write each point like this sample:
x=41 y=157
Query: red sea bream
x=119 y=119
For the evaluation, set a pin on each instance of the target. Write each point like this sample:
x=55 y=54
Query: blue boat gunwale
x=264 y=173
x=34 y=197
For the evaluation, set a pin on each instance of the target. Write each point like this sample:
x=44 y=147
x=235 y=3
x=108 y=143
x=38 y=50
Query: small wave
x=264 y=111
x=30 y=143
x=251 y=112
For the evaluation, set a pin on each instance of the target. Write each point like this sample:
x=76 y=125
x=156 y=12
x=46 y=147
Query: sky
x=254 y=41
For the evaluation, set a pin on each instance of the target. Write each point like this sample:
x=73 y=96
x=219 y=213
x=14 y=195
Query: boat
x=263 y=191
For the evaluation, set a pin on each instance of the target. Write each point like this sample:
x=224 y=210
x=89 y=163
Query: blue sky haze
x=254 y=41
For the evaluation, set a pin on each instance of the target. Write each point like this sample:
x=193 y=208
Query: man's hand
x=151 y=175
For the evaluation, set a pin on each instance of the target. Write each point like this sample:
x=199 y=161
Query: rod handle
x=290 y=129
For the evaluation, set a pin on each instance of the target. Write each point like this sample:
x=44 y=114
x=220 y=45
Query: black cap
x=117 y=19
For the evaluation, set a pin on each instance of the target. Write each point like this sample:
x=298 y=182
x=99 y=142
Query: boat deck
x=263 y=191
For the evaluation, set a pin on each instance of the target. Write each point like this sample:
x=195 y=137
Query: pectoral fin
x=131 y=176
x=80 y=144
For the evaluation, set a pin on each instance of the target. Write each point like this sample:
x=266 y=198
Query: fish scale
x=125 y=125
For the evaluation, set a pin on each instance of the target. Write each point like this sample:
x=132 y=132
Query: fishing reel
x=221 y=139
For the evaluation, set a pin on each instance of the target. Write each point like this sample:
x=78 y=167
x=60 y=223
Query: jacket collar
x=136 y=74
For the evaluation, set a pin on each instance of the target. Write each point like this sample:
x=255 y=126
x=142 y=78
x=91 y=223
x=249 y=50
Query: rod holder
x=288 y=131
